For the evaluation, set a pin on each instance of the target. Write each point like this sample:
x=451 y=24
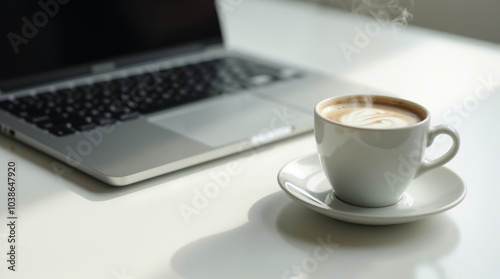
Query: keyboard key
x=103 y=120
x=146 y=108
x=37 y=118
x=45 y=124
x=62 y=130
x=8 y=106
x=83 y=126
x=20 y=113
x=53 y=122
x=128 y=115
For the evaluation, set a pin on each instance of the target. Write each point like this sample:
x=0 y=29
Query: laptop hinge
x=103 y=67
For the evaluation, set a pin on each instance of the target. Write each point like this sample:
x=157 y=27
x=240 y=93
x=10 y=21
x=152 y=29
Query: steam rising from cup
x=388 y=10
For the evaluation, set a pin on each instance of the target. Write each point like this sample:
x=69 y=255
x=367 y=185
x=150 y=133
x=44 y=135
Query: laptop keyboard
x=86 y=107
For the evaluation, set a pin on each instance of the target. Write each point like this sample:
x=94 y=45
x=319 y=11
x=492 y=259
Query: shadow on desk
x=286 y=240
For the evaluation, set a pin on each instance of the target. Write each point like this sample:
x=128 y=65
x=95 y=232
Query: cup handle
x=445 y=158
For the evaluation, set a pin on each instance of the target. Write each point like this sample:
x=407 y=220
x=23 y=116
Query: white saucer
x=438 y=190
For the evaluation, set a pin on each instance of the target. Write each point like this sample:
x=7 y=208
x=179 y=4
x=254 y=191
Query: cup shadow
x=282 y=238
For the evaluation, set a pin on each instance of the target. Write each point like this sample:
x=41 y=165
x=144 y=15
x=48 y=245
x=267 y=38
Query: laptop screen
x=42 y=40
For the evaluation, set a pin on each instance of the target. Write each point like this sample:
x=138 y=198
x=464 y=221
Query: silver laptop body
x=152 y=144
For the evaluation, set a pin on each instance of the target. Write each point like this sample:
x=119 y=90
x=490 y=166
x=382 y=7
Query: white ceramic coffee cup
x=372 y=167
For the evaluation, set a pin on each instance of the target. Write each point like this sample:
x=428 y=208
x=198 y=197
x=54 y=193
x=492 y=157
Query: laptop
x=129 y=90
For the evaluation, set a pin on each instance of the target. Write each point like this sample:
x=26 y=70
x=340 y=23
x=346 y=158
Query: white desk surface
x=72 y=226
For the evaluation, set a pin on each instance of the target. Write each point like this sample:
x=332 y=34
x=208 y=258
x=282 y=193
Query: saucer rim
x=360 y=218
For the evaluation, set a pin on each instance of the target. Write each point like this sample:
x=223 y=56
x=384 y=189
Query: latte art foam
x=375 y=115
x=373 y=118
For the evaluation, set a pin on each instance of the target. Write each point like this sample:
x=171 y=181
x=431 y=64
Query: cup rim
x=422 y=122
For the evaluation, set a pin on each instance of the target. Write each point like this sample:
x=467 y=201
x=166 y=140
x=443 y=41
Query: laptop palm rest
x=231 y=119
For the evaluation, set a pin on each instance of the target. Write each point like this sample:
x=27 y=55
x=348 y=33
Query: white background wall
x=478 y=19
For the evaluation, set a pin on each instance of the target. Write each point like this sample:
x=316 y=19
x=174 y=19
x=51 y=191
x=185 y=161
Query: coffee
x=373 y=113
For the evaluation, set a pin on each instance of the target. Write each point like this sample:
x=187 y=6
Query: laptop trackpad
x=230 y=119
